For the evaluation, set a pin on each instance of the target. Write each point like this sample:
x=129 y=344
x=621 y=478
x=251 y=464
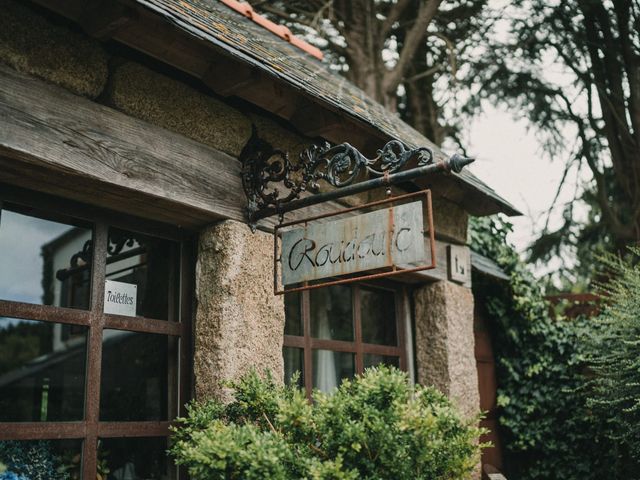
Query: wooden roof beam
x=103 y=18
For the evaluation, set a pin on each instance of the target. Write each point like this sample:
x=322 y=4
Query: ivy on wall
x=547 y=428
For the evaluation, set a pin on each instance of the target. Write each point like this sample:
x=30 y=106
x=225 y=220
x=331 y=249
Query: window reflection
x=151 y=264
x=292 y=314
x=137 y=459
x=293 y=364
x=42 y=371
x=44 y=261
x=331 y=313
x=330 y=368
x=378 y=313
x=139 y=376
x=371 y=360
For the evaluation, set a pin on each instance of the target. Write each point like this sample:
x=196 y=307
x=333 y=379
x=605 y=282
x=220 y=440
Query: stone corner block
x=444 y=340
x=450 y=219
x=280 y=137
x=168 y=103
x=32 y=44
x=239 y=320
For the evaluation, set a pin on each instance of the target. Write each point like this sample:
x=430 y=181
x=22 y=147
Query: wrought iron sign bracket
x=274 y=184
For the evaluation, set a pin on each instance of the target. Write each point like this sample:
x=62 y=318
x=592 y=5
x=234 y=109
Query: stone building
x=130 y=281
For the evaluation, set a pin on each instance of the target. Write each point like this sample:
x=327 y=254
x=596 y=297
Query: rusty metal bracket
x=424 y=195
x=274 y=184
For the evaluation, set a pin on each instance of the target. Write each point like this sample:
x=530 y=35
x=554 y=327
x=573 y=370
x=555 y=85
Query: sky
x=21 y=240
x=509 y=158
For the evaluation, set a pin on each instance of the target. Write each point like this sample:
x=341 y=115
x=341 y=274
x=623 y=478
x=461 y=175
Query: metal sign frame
x=424 y=195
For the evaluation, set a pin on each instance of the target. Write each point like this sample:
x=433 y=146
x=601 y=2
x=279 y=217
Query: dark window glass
x=42 y=371
x=149 y=263
x=44 y=261
x=41 y=459
x=331 y=313
x=330 y=368
x=293 y=363
x=139 y=376
x=292 y=314
x=378 y=313
x=137 y=458
x=371 y=360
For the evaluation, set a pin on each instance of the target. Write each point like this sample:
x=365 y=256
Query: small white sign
x=459 y=263
x=120 y=298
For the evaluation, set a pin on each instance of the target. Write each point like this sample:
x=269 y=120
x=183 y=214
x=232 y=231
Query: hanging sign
x=378 y=241
x=120 y=298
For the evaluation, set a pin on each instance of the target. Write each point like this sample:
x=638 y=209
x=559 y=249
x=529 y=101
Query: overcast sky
x=21 y=241
x=510 y=159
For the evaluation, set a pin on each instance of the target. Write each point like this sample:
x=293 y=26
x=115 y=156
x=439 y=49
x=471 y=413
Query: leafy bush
x=376 y=426
x=612 y=350
x=547 y=428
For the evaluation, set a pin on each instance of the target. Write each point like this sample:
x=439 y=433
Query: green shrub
x=612 y=349
x=375 y=427
x=548 y=431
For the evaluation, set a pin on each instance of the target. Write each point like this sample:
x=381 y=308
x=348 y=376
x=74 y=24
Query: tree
x=574 y=65
x=612 y=349
x=403 y=53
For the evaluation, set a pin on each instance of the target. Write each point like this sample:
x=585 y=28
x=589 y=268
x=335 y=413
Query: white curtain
x=325 y=361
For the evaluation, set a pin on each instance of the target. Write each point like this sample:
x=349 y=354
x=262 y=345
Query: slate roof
x=487 y=266
x=250 y=43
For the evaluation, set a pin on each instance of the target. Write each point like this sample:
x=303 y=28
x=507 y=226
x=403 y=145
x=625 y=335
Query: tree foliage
x=574 y=66
x=376 y=426
x=406 y=54
x=612 y=349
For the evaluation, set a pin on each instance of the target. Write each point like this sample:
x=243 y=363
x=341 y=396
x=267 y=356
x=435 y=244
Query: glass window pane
x=378 y=313
x=137 y=458
x=41 y=459
x=331 y=314
x=292 y=314
x=371 y=360
x=149 y=263
x=42 y=371
x=44 y=261
x=139 y=376
x=330 y=368
x=293 y=363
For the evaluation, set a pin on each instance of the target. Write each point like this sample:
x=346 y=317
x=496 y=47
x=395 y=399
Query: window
x=335 y=332
x=89 y=392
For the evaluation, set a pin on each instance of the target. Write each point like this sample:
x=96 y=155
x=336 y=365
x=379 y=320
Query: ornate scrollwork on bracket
x=118 y=240
x=81 y=260
x=271 y=179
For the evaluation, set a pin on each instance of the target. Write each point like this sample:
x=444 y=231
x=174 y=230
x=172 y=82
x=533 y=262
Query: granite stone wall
x=444 y=342
x=160 y=100
x=450 y=220
x=32 y=44
x=239 y=322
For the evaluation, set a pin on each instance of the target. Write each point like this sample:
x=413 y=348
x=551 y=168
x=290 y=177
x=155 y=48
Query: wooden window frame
x=90 y=429
x=308 y=343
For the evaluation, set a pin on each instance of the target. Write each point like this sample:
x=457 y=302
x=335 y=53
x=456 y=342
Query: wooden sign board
x=376 y=242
